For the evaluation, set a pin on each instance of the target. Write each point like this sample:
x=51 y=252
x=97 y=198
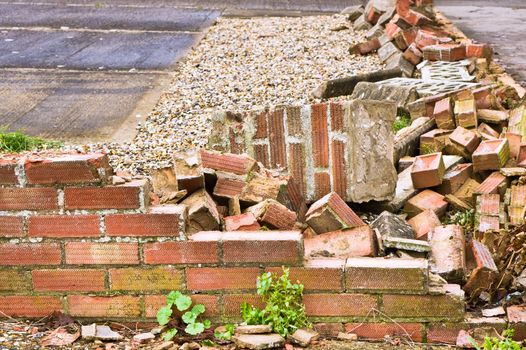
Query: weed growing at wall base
x=17 y=141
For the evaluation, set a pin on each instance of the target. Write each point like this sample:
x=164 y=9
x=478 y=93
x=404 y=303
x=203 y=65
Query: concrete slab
x=106 y=17
x=76 y=105
x=92 y=49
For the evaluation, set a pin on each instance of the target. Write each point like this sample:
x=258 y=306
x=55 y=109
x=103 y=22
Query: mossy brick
x=141 y=279
x=104 y=306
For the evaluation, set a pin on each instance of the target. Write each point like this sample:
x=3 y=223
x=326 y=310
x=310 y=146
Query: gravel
x=241 y=64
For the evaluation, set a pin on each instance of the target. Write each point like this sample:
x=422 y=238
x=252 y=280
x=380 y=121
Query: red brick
x=491 y=184
x=11 y=226
x=111 y=197
x=426 y=199
x=491 y=155
x=261 y=126
x=68 y=280
x=242 y=222
x=221 y=278
x=378 y=331
x=517 y=320
x=380 y=274
x=329 y=329
x=232 y=303
x=88 y=253
x=7 y=172
x=257 y=247
x=426 y=38
x=489 y=204
x=28 y=199
x=227 y=162
x=319 y=274
x=359 y=241
x=337 y=116
x=423 y=223
x=365 y=47
x=320 y=135
x=273 y=215
x=444 y=52
x=104 y=307
x=181 y=252
x=297 y=165
x=294 y=122
x=454 y=178
x=159 y=221
x=276 y=128
x=331 y=213
x=415 y=306
x=339 y=304
x=485 y=271
x=152 y=304
x=30 y=254
x=413 y=54
x=67 y=169
x=479 y=51
x=228 y=187
x=64 y=226
x=29 y=306
x=392 y=29
x=514 y=141
x=261 y=154
x=373 y=15
x=416 y=19
x=428 y=170
x=339 y=166
x=322 y=184
x=141 y=279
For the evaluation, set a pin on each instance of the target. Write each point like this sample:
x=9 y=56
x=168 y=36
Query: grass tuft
x=17 y=141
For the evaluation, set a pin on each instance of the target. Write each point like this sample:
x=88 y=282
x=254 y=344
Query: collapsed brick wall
x=345 y=147
x=70 y=241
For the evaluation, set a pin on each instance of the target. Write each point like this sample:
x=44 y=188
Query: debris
x=254 y=329
x=202 y=212
x=243 y=222
x=411 y=245
x=143 y=337
x=485 y=271
x=389 y=224
x=274 y=215
x=347 y=336
x=428 y=170
x=359 y=241
x=103 y=333
x=258 y=341
x=426 y=199
x=448 y=255
x=423 y=223
x=304 y=337
x=331 y=213
x=496 y=311
x=491 y=155
x=59 y=337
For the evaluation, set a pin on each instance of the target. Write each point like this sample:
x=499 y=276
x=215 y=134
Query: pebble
x=241 y=64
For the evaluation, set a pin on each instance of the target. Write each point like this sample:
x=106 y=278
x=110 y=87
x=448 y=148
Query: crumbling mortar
x=20 y=172
x=305 y=116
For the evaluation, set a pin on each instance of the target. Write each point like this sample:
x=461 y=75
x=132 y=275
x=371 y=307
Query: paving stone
x=258 y=341
x=254 y=329
x=303 y=337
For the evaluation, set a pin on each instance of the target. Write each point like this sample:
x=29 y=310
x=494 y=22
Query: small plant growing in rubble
x=190 y=316
x=284 y=310
x=403 y=119
x=504 y=342
x=466 y=219
x=17 y=141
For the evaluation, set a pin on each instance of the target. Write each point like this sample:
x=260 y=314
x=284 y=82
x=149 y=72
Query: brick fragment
x=8 y=171
x=28 y=199
x=479 y=51
x=426 y=199
x=491 y=155
x=331 y=213
x=466 y=113
x=464 y=138
x=141 y=279
x=67 y=169
x=104 y=307
x=487 y=132
x=189 y=171
x=423 y=223
x=448 y=255
x=30 y=254
x=11 y=226
x=228 y=186
x=64 y=226
x=380 y=274
x=68 y=280
x=359 y=241
x=428 y=170
x=455 y=177
x=444 y=52
x=202 y=212
x=242 y=222
x=227 y=162
x=88 y=253
x=492 y=184
x=127 y=196
x=485 y=271
x=274 y=215
x=443 y=114
x=365 y=47
x=164 y=220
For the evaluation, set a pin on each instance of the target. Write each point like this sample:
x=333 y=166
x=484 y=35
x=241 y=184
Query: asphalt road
x=89 y=72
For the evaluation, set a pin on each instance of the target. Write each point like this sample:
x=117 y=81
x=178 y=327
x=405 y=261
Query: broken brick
x=434 y=140
x=466 y=113
x=444 y=52
x=188 y=170
x=274 y=215
x=242 y=222
x=454 y=178
x=359 y=241
x=202 y=212
x=423 y=223
x=426 y=199
x=331 y=213
x=365 y=47
x=466 y=191
x=494 y=183
x=238 y=164
x=487 y=132
x=491 y=155
x=413 y=54
x=484 y=270
x=514 y=141
x=479 y=51
x=448 y=255
x=492 y=116
x=228 y=185
x=464 y=138
x=428 y=170
x=389 y=224
x=443 y=114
